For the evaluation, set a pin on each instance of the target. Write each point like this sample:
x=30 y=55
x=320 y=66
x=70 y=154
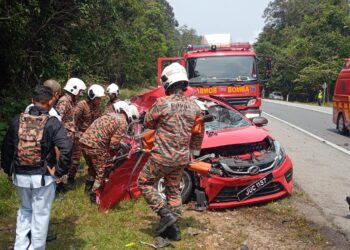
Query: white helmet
x=94 y=91
x=74 y=85
x=130 y=110
x=113 y=89
x=119 y=106
x=173 y=73
x=134 y=112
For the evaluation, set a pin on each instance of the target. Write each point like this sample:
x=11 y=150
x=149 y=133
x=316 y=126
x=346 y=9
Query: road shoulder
x=319 y=171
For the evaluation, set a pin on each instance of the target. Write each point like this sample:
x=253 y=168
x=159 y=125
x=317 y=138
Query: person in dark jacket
x=28 y=156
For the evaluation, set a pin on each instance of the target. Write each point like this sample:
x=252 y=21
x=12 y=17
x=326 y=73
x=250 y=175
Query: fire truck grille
x=238 y=101
x=230 y=193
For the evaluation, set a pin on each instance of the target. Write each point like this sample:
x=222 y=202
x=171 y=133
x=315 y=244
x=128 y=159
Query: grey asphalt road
x=317 y=123
x=322 y=171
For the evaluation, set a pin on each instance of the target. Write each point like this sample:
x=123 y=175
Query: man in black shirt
x=28 y=156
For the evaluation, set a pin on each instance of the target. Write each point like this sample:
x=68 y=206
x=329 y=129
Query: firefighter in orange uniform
x=65 y=107
x=85 y=112
x=173 y=118
x=103 y=136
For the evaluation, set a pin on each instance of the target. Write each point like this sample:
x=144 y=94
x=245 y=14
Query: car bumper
x=221 y=192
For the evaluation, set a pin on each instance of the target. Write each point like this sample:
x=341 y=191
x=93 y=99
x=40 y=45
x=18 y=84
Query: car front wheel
x=186 y=187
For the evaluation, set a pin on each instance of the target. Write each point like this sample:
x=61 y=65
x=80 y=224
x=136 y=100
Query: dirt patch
x=275 y=225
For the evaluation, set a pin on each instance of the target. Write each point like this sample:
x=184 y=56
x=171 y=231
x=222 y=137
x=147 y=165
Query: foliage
x=98 y=41
x=308 y=41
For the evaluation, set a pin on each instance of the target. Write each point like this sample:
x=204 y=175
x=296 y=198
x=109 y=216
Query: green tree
x=308 y=41
x=97 y=40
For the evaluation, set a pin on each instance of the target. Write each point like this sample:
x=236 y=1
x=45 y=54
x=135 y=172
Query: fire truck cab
x=341 y=99
x=218 y=67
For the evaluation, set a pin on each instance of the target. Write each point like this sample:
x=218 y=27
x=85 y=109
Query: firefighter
x=113 y=94
x=25 y=156
x=65 y=107
x=173 y=118
x=85 y=112
x=103 y=136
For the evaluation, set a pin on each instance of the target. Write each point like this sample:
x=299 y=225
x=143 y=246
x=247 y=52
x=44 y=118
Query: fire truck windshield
x=221 y=69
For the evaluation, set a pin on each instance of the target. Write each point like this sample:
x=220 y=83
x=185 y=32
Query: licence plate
x=255 y=187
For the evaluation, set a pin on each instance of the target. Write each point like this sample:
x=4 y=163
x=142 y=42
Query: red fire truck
x=341 y=99
x=221 y=68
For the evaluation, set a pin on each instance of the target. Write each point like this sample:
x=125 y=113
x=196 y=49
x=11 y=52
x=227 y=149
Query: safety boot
x=88 y=185
x=167 y=218
x=172 y=232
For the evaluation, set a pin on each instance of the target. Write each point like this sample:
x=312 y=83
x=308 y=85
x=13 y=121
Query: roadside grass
x=80 y=225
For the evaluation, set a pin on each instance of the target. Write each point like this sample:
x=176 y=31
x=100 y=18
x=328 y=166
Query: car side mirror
x=259 y=121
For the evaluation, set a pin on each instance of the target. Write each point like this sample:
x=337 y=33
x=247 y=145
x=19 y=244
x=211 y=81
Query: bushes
x=112 y=41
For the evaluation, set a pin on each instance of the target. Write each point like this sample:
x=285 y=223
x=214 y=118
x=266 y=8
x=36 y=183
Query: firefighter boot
x=172 y=232
x=88 y=185
x=167 y=218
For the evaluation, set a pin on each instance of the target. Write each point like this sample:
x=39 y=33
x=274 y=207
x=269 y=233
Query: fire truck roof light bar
x=232 y=46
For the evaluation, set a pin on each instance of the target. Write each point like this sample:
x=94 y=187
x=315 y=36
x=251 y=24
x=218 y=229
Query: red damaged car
x=248 y=165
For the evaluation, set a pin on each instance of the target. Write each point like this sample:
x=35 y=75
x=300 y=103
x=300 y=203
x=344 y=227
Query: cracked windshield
x=224 y=118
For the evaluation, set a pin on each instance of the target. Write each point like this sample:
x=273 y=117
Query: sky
x=241 y=18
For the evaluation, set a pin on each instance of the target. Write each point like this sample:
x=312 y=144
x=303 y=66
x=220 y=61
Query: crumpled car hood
x=232 y=136
x=146 y=100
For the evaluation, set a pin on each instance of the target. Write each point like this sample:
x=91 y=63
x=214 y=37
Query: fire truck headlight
x=251 y=102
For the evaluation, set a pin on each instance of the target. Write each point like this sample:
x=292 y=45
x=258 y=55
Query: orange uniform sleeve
x=62 y=108
x=152 y=117
x=119 y=133
x=198 y=130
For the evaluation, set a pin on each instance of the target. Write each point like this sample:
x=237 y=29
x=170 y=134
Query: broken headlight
x=280 y=154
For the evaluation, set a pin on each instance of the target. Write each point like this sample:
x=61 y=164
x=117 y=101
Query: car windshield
x=220 y=69
x=224 y=118
x=278 y=94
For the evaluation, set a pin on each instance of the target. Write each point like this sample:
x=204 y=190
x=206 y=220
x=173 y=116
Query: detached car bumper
x=222 y=192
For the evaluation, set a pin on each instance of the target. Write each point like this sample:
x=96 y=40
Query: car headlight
x=280 y=154
x=251 y=102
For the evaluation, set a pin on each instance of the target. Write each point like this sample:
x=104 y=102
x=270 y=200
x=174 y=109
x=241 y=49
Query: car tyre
x=341 y=125
x=186 y=187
